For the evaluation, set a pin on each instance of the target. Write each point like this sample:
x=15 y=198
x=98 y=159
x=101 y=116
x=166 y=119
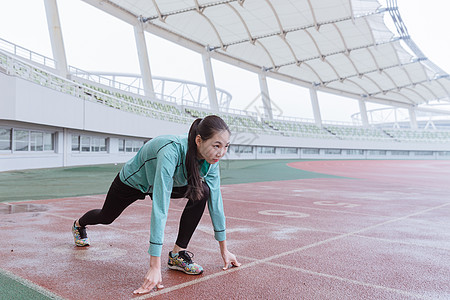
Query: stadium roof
x=338 y=46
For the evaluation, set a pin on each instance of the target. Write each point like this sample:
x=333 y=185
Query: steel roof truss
x=288 y=30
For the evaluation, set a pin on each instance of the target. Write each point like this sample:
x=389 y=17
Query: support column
x=210 y=84
x=363 y=112
x=315 y=106
x=56 y=39
x=412 y=118
x=265 y=97
x=144 y=63
x=66 y=146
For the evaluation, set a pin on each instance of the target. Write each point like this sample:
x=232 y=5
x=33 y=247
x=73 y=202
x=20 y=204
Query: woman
x=171 y=167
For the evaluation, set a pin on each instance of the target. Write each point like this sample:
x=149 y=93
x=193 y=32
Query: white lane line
x=401 y=242
x=293 y=251
x=189 y=283
x=146 y=233
x=308 y=207
x=30 y=284
x=401 y=218
x=268 y=259
x=347 y=280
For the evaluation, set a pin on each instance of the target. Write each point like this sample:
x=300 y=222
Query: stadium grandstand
x=53 y=114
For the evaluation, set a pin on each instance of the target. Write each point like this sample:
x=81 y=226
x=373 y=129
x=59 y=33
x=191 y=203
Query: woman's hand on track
x=229 y=258
x=153 y=278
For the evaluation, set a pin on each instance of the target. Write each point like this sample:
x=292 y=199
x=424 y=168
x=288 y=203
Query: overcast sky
x=95 y=41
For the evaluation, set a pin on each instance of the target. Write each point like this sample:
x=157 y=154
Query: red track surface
x=383 y=232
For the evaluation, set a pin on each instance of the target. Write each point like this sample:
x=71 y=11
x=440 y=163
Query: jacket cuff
x=155 y=250
x=220 y=235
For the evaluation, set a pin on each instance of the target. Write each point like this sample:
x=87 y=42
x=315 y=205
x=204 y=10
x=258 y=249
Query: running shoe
x=80 y=236
x=182 y=261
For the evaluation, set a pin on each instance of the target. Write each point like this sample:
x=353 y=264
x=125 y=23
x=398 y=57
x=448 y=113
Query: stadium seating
x=298 y=129
x=241 y=121
x=236 y=122
x=425 y=136
x=357 y=133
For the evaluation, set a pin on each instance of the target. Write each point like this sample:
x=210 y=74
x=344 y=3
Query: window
x=332 y=151
x=121 y=145
x=49 y=141
x=377 y=152
x=21 y=140
x=242 y=149
x=423 y=153
x=399 y=152
x=30 y=140
x=75 y=143
x=37 y=141
x=354 y=152
x=288 y=150
x=85 y=143
x=266 y=150
x=441 y=153
x=310 y=151
x=130 y=145
x=5 y=139
x=98 y=144
x=137 y=145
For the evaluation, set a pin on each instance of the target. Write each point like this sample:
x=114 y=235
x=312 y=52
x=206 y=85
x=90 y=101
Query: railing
x=341 y=123
x=27 y=54
x=312 y=121
x=16 y=67
x=394 y=116
x=240 y=112
x=231 y=111
x=294 y=119
x=166 y=89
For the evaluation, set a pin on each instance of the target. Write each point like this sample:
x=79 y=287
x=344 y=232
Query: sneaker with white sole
x=182 y=261
x=80 y=236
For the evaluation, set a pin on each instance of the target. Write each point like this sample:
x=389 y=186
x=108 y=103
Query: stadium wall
x=31 y=113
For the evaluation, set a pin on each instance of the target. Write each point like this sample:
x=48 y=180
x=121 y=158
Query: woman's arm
x=162 y=188
x=215 y=206
x=215 y=203
x=163 y=183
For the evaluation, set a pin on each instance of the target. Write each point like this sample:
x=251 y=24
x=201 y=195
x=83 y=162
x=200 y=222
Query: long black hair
x=206 y=128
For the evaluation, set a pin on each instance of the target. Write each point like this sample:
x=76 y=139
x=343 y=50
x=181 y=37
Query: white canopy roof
x=337 y=46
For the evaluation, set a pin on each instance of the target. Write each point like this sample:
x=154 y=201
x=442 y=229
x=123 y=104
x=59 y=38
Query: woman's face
x=213 y=149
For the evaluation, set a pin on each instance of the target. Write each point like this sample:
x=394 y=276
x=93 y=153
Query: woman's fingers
x=233 y=261
x=147 y=287
x=141 y=290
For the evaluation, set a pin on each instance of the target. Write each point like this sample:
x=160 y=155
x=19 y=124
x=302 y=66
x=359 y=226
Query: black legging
x=120 y=196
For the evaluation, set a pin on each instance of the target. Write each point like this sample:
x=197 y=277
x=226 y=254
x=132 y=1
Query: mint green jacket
x=156 y=168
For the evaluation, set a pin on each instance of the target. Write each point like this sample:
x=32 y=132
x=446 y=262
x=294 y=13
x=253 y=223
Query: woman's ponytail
x=195 y=188
x=205 y=128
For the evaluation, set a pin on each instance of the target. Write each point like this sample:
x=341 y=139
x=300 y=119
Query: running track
x=380 y=231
